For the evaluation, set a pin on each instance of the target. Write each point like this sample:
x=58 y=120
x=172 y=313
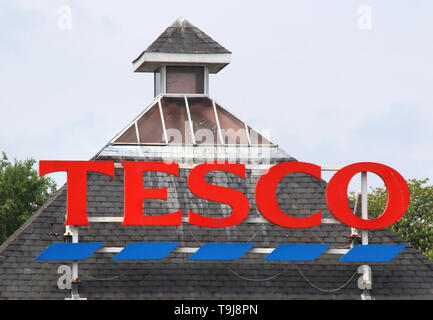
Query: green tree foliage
x=416 y=226
x=22 y=192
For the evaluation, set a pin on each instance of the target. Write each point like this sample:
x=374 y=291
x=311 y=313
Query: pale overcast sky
x=335 y=82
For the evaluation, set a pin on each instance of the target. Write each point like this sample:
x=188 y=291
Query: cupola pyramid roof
x=183 y=37
x=182 y=42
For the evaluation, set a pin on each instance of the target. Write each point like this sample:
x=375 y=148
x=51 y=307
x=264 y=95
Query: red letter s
x=234 y=198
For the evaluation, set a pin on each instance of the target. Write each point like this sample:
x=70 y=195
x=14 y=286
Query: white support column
x=220 y=135
x=206 y=80
x=364 y=199
x=74 y=231
x=162 y=120
x=354 y=235
x=163 y=79
x=136 y=132
x=190 y=122
x=248 y=133
x=365 y=282
x=75 y=281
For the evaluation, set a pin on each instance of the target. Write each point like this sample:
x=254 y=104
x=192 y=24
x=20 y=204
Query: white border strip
x=118 y=165
x=253 y=220
x=194 y=249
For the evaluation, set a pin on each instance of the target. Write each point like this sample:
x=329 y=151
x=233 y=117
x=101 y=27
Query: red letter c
x=266 y=199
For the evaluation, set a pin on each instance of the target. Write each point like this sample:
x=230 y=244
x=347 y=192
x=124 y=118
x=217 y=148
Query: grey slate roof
x=408 y=276
x=183 y=44
x=183 y=37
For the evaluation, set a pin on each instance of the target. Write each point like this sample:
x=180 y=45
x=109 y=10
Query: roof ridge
x=30 y=220
x=182 y=23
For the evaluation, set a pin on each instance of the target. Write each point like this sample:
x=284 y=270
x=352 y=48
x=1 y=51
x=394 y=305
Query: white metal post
x=220 y=135
x=74 y=281
x=206 y=80
x=248 y=133
x=364 y=210
x=163 y=121
x=136 y=132
x=190 y=122
x=365 y=282
x=74 y=230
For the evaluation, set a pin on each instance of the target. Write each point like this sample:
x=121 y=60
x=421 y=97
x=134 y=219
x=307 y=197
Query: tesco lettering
x=265 y=193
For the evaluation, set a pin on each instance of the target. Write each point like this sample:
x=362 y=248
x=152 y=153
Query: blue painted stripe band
x=221 y=251
x=69 y=251
x=372 y=253
x=297 y=252
x=146 y=251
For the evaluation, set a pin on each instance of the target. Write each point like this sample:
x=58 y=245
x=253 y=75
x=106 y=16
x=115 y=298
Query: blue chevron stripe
x=372 y=253
x=221 y=251
x=69 y=251
x=146 y=251
x=297 y=252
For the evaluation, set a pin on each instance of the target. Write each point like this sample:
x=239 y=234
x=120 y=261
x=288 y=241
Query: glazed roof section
x=188 y=120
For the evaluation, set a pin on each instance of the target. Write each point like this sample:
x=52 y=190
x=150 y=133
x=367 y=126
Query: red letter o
x=398 y=195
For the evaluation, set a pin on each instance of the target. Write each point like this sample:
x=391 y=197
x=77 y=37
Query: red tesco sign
x=265 y=193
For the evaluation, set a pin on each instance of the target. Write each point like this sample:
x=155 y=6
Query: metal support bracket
x=72 y=234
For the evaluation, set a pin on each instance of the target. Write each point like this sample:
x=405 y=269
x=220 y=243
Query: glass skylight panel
x=176 y=120
x=189 y=123
x=257 y=138
x=129 y=136
x=184 y=79
x=203 y=120
x=150 y=128
x=233 y=130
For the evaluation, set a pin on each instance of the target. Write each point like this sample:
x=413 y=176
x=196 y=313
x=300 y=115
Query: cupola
x=182 y=58
x=182 y=112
